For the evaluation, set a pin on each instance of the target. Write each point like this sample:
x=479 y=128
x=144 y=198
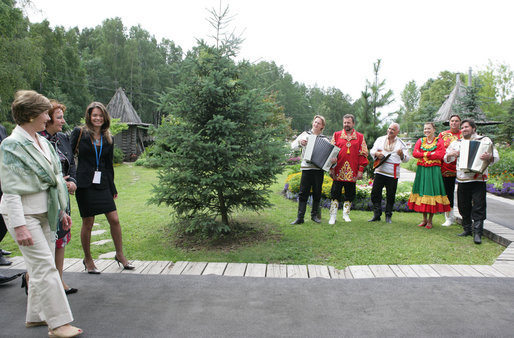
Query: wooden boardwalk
x=503 y=266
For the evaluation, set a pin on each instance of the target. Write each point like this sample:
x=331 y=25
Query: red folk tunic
x=429 y=158
x=449 y=169
x=353 y=156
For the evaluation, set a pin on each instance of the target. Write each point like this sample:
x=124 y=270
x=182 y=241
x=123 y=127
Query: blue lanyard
x=96 y=152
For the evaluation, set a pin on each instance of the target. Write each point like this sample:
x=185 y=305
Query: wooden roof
x=446 y=109
x=120 y=108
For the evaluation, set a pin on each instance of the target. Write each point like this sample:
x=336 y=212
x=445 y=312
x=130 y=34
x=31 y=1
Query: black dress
x=94 y=199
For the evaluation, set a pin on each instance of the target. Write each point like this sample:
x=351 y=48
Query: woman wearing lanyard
x=95 y=181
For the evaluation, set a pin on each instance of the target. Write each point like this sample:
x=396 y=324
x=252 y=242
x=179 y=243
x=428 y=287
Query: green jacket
x=25 y=170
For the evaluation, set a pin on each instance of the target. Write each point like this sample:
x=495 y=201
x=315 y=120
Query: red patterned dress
x=428 y=194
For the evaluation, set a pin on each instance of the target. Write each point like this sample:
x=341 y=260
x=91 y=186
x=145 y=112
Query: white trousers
x=47 y=300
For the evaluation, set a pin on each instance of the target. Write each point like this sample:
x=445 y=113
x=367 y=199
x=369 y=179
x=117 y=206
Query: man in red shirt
x=351 y=161
x=448 y=170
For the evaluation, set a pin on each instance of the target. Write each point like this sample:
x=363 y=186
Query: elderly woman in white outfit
x=34 y=198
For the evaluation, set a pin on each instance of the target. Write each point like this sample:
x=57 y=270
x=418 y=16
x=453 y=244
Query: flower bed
x=363 y=192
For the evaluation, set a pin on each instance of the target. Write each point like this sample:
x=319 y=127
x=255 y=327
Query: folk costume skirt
x=428 y=193
x=93 y=201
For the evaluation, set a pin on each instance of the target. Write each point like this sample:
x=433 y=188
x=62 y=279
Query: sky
x=324 y=43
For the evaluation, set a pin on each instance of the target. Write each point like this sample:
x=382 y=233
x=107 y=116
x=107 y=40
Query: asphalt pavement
x=124 y=305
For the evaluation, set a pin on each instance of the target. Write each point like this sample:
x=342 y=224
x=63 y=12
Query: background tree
x=20 y=56
x=368 y=115
x=410 y=103
x=433 y=93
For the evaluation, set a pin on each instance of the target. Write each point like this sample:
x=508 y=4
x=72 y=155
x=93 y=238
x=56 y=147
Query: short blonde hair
x=27 y=105
x=322 y=120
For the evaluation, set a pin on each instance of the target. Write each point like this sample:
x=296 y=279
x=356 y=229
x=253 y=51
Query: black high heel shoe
x=24 y=284
x=93 y=272
x=128 y=266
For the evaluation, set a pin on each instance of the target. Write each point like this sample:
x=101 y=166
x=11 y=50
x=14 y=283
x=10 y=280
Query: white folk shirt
x=463 y=177
x=391 y=167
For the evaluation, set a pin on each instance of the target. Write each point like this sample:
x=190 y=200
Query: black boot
x=467 y=230
x=377 y=211
x=388 y=219
x=301 y=212
x=478 y=227
x=316 y=212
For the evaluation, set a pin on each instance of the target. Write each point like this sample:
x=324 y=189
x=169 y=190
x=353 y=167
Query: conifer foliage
x=220 y=144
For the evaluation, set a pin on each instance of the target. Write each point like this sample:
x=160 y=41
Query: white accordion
x=470 y=152
x=320 y=152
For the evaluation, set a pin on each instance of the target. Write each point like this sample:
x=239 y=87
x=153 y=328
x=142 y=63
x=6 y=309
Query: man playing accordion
x=312 y=176
x=471 y=191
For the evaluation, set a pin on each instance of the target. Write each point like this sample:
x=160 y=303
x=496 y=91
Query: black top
x=61 y=143
x=86 y=166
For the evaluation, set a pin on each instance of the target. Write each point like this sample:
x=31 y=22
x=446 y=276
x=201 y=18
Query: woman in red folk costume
x=351 y=161
x=428 y=195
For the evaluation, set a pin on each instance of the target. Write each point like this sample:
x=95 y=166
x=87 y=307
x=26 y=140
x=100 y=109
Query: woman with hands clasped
x=95 y=181
x=428 y=194
x=35 y=196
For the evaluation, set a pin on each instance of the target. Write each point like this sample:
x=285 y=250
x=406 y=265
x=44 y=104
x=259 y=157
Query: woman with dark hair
x=95 y=181
x=35 y=196
x=428 y=195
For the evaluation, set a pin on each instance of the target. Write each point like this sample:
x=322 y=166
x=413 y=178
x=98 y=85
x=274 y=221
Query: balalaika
x=470 y=152
x=320 y=152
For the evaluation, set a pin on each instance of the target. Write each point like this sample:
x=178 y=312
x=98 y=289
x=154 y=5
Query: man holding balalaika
x=473 y=153
x=388 y=152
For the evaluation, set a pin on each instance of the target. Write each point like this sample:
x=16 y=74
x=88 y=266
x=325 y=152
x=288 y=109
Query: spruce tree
x=220 y=143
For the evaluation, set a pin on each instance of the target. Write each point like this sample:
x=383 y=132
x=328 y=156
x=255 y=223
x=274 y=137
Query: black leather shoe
x=5 y=252
x=297 y=221
x=388 y=219
x=478 y=239
x=4 y=279
x=4 y=261
x=374 y=219
x=70 y=291
x=316 y=219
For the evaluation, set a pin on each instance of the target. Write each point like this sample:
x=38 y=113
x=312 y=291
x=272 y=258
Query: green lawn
x=148 y=236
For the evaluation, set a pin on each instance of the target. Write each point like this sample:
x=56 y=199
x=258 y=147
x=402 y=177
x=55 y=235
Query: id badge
x=97 y=177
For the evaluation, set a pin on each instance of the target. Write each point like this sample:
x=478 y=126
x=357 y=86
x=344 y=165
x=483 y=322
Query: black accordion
x=320 y=152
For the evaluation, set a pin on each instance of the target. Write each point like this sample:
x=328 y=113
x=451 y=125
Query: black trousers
x=449 y=187
x=349 y=190
x=472 y=202
x=311 y=179
x=390 y=184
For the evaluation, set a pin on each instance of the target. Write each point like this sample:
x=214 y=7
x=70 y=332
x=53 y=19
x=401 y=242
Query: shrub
x=118 y=155
x=411 y=164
